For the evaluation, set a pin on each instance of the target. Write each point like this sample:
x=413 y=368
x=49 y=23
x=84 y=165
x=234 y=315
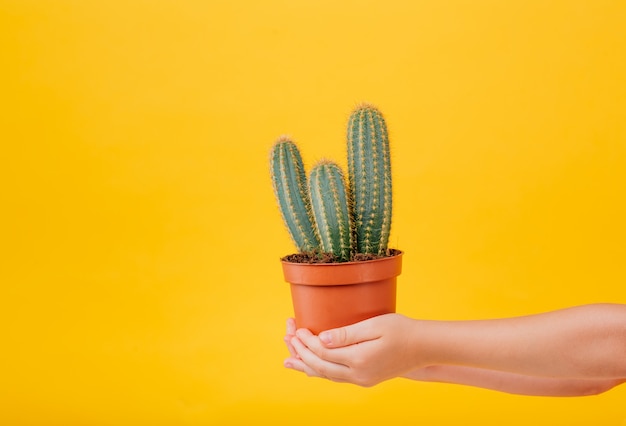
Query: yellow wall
x=140 y=282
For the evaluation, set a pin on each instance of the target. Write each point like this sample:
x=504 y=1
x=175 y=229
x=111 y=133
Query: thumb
x=348 y=335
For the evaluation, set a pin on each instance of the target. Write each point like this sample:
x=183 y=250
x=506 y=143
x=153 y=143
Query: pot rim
x=399 y=253
x=358 y=272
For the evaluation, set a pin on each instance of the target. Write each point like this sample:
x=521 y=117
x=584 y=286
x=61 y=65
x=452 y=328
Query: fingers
x=298 y=365
x=291 y=326
x=290 y=347
x=315 y=345
x=351 y=334
x=291 y=332
x=295 y=361
x=313 y=365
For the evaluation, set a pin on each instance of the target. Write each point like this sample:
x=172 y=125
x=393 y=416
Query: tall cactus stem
x=329 y=200
x=369 y=169
x=290 y=188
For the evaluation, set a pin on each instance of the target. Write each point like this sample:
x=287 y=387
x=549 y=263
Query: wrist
x=437 y=343
x=423 y=345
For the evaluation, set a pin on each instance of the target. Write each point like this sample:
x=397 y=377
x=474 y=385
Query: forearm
x=511 y=382
x=582 y=342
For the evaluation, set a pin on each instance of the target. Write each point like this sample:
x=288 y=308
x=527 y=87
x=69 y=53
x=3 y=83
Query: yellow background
x=140 y=282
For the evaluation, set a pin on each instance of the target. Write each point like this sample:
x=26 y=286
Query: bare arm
x=587 y=342
x=581 y=342
x=512 y=383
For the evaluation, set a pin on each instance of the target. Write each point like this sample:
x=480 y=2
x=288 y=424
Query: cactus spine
x=369 y=171
x=290 y=188
x=330 y=209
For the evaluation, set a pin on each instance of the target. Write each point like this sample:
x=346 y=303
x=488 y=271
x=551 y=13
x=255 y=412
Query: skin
x=570 y=352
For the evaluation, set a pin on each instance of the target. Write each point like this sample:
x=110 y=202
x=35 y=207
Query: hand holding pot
x=572 y=351
x=365 y=353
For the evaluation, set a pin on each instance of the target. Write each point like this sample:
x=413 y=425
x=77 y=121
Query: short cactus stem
x=330 y=208
x=369 y=170
x=290 y=187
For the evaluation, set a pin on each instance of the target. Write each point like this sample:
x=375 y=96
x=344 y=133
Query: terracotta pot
x=330 y=295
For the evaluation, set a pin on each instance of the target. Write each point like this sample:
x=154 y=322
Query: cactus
x=330 y=209
x=290 y=188
x=369 y=171
x=324 y=216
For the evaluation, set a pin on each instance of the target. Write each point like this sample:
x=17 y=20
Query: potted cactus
x=343 y=271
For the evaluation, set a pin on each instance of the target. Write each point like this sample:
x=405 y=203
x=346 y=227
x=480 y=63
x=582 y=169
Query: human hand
x=365 y=353
x=575 y=351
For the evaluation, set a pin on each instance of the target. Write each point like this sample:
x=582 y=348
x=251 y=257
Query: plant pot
x=331 y=295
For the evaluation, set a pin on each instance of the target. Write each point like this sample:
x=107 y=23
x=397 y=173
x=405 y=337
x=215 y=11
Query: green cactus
x=330 y=209
x=324 y=216
x=290 y=188
x=369 y=171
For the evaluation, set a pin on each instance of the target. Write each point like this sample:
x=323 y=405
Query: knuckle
x=311 y=373
x=364 y=382
x=320 y=351
x=322 y=370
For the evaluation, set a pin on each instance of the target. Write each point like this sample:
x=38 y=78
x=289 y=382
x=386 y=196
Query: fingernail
x=288 y=364
x=325 y=337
